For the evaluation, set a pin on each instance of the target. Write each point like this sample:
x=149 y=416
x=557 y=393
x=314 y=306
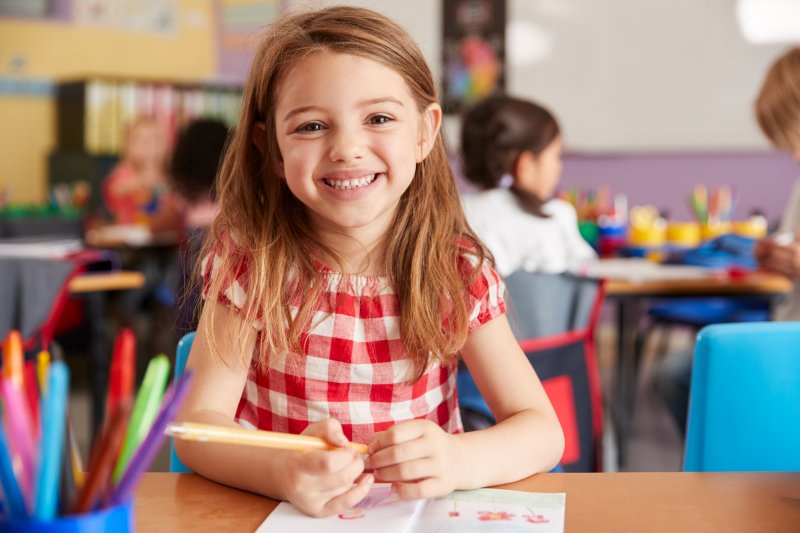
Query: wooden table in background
x=93 y=287
x=630 y=296
x=597 y=503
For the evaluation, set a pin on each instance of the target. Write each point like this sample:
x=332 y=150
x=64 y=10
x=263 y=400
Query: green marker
x=148 y=401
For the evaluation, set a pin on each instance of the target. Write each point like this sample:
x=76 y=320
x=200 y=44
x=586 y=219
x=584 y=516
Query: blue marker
x=54 y=415
x=13 y=496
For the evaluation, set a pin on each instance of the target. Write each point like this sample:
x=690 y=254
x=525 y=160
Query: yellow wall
x=65 y=51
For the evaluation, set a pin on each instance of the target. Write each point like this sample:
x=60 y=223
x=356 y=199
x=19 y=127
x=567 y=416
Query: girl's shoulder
x=484 y=287
x=488 y=198
x=556 y=207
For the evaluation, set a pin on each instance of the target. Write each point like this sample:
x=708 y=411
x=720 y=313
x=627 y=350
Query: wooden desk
x=619 y=502
x=106 y=281
x=630 y=296
x=93 y=286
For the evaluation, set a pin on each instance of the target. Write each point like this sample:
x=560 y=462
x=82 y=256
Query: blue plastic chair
x=744 y=405
x=181 y=355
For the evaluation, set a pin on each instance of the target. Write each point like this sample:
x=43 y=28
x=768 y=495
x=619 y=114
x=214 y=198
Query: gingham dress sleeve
x=485 y=297
x=233 y=291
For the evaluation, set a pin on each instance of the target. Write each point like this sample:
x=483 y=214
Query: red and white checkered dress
x=355 y=365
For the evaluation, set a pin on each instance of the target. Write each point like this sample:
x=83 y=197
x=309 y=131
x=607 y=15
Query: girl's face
x=146 y=144
x=350 y=135
x=540 y=174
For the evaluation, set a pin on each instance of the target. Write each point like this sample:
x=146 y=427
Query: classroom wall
x=54 y=50
x=624 y=91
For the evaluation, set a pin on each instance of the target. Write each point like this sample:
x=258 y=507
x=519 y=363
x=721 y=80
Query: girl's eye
x=310 y=127
x=380 y=119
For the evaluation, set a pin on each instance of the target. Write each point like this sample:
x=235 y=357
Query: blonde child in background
x=512 y=150
x=777 y=110
x=778 y=113
x=342 y=282
x=135 y=186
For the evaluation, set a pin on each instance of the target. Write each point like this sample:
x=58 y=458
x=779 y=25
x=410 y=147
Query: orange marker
x=13 y=359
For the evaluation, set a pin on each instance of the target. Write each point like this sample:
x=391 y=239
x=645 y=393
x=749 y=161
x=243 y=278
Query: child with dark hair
x=193 y=171
x=512 y=150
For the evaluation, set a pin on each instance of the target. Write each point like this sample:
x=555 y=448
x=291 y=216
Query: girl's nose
x=346 y=145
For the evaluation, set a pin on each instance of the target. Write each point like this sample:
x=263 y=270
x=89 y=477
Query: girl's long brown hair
x=261 y=220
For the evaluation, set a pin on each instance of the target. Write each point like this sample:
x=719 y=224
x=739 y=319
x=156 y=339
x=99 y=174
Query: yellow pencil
x=249 y=437
x=42 y=366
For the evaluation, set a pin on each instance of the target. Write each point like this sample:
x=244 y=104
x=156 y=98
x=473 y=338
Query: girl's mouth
x=355 y=183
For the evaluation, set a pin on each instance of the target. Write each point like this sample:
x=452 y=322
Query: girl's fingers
x=407 y=471
x=330 y=430
x=322 y=463
x=425 y=488
x=400 y=453
x=398 y=433
x=343 y=478
x=349 y=498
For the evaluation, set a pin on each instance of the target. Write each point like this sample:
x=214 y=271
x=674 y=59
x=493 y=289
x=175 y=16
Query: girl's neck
x=360 y=252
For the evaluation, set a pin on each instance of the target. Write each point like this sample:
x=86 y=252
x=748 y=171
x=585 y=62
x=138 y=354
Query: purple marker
x=143 y=456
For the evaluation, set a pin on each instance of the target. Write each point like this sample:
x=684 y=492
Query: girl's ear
x=525 y=168
x=260 y=136
x=429 y=130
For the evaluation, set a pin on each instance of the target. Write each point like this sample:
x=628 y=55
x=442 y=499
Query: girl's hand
x=322 y=483
x=783 y=259
x=418 y=457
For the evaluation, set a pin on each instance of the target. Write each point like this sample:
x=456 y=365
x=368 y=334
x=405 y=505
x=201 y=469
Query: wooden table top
x=753 y=283
x=619 y=502
x=106 y=281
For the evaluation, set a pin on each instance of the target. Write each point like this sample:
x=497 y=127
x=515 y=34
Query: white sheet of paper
x=462 y=511
x=637 y=270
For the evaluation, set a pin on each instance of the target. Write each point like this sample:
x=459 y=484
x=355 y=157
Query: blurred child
x=778 y=113
x=193 y=171
x=512 y=150
x=777 y=110
x=135 y=186
x=342 y=283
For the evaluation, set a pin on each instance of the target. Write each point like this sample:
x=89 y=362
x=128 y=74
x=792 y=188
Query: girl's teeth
x=351 y=184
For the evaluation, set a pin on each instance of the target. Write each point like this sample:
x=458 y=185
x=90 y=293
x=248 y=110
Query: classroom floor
x=655 y=443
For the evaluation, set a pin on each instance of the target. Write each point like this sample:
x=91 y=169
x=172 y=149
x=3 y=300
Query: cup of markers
x=45 y=487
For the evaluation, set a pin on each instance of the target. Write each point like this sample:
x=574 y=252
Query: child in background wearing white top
x=342 y=282
x=512 y=149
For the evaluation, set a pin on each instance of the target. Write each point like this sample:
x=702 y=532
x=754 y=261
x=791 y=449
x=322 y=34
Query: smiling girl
x=342 y=283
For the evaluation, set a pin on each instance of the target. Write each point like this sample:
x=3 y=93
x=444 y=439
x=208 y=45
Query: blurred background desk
x=642 y=281
x=613 y=502
x=93 y=288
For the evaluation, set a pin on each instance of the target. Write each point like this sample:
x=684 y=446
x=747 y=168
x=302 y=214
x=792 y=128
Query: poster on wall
x=473 y=51
x=241 y=24
x=152 y=16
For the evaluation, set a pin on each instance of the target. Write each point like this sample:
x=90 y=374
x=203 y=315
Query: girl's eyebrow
x=363 y=103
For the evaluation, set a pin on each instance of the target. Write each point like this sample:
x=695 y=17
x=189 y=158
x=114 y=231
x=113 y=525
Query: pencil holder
x=588 y=231
x=118 y=519
x=755 y=227
x=712 y=230
x=683 y=234
x=611 y=238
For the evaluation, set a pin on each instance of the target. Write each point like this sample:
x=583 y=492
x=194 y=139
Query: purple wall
x=762 y=179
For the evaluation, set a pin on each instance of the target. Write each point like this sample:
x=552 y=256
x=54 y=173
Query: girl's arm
x=527 y=437
x=423 y=461
x=317 y=482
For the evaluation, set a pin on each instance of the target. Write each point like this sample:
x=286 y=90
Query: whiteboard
x=643 y=75
x=621 y=75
